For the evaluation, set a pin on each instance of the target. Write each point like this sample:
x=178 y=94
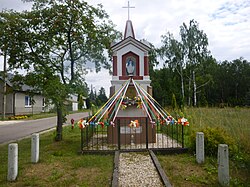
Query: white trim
x=132 y=41
x=28 y=104
x=134 y=49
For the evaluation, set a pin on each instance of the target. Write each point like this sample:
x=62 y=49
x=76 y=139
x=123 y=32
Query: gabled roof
x=132 y=41
x=22 y=88
x=129 y=38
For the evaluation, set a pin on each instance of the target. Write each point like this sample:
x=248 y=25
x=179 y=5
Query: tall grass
x=234 y=120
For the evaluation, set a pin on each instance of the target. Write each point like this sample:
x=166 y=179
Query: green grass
x=234 y=120
x=59 y=164
x=41 y=115
x=183 y=169
x=45 y=115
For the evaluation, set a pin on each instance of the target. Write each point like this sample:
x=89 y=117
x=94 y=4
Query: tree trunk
x=72 y=63
x=236 y=91
x=182 y=86
x=189 y=89
x=59 y=123
x=195 y=90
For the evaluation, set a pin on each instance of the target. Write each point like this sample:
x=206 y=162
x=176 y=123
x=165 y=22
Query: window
x=27 y=101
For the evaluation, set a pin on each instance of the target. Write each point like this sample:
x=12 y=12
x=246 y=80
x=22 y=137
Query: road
x=15 y=130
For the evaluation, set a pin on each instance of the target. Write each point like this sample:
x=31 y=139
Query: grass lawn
x=183 y=170
x=40 y=115
x=59 y=164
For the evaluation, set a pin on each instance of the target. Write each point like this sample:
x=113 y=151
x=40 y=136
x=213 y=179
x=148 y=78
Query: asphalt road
x=15 y=130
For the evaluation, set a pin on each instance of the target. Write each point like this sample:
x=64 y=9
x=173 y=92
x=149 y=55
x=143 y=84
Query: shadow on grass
x=59 y=164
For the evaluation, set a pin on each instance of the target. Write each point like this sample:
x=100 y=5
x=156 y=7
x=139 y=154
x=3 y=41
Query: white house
x=18 y=101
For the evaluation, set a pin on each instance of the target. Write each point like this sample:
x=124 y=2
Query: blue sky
x=226 y=23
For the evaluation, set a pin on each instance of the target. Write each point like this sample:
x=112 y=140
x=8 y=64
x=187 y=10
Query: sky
x=226 y=23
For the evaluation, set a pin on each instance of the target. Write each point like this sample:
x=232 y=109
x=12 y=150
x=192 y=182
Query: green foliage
x=53 y=42
x=194 y=76
x=218 y=84
x=174 y=105
x=80 y=102
x=152 y=54
x=96 y=99
x=247 y=98
x=102 y=96
x=183 y=59
x=212 y=137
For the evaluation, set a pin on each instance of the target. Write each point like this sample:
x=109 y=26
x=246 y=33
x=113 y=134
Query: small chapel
x=131 y=62
x=130 y=59
x=131 y=118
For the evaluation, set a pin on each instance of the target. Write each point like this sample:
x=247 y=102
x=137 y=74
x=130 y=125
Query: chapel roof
x=129 y=30
x=130 y=40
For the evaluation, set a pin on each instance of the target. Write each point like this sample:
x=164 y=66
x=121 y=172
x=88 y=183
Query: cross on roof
x=128 y=7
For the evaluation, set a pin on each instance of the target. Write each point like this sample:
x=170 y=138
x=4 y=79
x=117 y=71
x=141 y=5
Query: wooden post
x=12 y=162
x=35 y=148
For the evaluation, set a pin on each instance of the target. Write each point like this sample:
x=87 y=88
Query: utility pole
x=4 y=85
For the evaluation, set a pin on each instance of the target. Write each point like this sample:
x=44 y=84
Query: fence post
x=119 y=134
x=12 y=161
x=223 y=165
x=87 y=136
x=81 y=139
x=182 y=136
x=146 y=133
x=200 y=147
x=35 y=148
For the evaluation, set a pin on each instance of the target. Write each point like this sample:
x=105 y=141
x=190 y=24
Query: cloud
x=17 y=5
x=226 y=23
x=98 y=80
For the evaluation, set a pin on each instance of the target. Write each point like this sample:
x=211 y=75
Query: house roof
x=26 y=88
x=22 y=87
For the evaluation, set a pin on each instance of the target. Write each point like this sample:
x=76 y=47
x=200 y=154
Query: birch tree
x=172 y=53
x=195 y=45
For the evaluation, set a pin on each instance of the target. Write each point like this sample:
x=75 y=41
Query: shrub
x=212 y=137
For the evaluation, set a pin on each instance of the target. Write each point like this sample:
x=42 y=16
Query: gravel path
x=137 y=169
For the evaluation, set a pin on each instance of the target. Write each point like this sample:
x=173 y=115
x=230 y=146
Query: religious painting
x=130 y=66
